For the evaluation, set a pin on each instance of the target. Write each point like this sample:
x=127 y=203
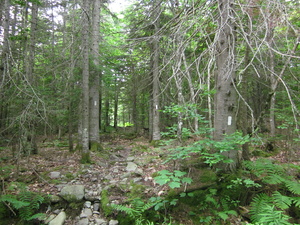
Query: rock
x=87 y=212
x=125 y=175
x=51 y=217
x=57 y=211
x=137 y=179
x=93 y=195
x=82 y=215
x=83 y=221
x=96 y=206
x=54 y=175
x=130 y=158
x=72 y=193
x=54 y=198
x=59 y=219
x=131 y=167
x=101 y=222
x=113 y=222
x=87 y=204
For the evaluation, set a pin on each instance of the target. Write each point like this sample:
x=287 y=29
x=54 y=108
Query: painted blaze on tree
x=226 y=95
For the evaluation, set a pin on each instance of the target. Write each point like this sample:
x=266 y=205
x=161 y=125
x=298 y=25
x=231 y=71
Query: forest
x=149 y=112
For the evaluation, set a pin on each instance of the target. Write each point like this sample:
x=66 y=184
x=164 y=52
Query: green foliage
x=26 y=203
x=271 y=208
x=211 y=150
x=136 y=211
x=266 y=209
x=173 y=179
x=85 y=158
x=106 y=207
x=172 y=132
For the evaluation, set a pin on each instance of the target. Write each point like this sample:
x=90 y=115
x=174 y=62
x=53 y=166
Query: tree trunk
x=155 y=77
x=226 y=96
x=85 y=84
x=95 y=78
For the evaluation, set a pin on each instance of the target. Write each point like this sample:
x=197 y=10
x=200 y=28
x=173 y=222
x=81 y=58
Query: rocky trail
x=124 y=170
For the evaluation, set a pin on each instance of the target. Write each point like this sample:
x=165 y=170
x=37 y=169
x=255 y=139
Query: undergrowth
x=22 y=203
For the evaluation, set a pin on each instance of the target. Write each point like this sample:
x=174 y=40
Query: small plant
x=136 y=211
x=25 y=202
x=271 y=207
x=172 y=179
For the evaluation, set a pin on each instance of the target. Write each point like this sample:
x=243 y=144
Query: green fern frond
x=282 y=201
x=12 y=200
x=272 y=216
x=293 y=186
x=296 y=201
x=258 y=205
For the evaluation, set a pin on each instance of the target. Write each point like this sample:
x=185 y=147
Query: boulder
x=59 y=219
x=72 y=193
x=131 y=167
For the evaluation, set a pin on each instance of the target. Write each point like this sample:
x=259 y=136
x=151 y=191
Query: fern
x=136 y=211
x=34 y=200
x=282 y=201
x=292 y=186
x=258 y=205
x=13 y=201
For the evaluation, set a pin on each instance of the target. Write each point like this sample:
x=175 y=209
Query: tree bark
x=85 y=83
x=155 y=76
x=95 y=77
x=226 y=96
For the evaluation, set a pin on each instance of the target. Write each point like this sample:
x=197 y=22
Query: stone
x=131 y=167
x=93 y=195
x=54 y=175
x=96 y=206
x=87 y=204
x=51 y=217
x=87 y=212
x=59 y=219
x=113 y=222
x=72 y=193
x=83 y=221
x=130 y=158
x=101 y=222
x=54 y=198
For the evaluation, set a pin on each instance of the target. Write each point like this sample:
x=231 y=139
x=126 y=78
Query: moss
x=136 y=191
x=85 y=158
x=3 y=211
x=155 y=143
x=207 y=176
x=95 y=146
x=107 y=210
x=78 y=147
x=76 y=205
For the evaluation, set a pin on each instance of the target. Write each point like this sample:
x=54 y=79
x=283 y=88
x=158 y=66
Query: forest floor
x=108 y=167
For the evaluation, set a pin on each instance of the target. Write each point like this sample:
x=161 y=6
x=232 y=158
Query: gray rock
x=101 y=222
x=59 y=219
x=51 y=217
x=54 y=175
x=87 y=204
x=93 y=195
x=131 y=167
x=83 y=221
x=113 y=222
x=82 y=215
x=87 y=212
x=130 y=158
x=54 y=198
x=96 y=206
x=72 y=193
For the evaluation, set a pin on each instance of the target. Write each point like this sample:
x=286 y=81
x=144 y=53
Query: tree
x=155 y=123
x=95 y=78
x=85 y=82
x=226 y=96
